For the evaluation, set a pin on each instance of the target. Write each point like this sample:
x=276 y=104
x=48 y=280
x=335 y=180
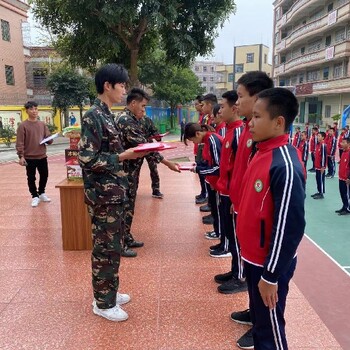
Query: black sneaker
x=205 y=208
x=219 y=253
x=344 y=212
x=201 y=200
x=312 y=170
x=200 y=196
x=246 y=340
x=157 y=194
x=339 y=210
x=318 y=196
x=233 y=286
x=315 y=195
x=215 y=247
x=208 y=219
x=128 y=253
x=242 y=317
x=135 y=244
x=223 y=277
x=212 y=235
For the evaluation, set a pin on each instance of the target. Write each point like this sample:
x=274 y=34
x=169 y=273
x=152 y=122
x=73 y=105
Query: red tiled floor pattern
x=45 y=293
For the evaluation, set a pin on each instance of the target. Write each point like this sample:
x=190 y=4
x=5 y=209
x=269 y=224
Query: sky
x=252 y=24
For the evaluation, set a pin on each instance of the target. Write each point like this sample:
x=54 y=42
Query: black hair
x=216 y=110
x=112 y=73
x=297 y=128
x=332 y=129
x=255 y=82
x=281 y=102
x=231 y=97
x=191 y=129
x=347 y=139
x=210 y=98
x=199 y=98
x=323 y=134
x=137 y=94
x=304 y=132
x=315 y=128
x=30 y=104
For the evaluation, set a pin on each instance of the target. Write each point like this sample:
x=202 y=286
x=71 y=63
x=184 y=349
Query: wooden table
x=76 y=222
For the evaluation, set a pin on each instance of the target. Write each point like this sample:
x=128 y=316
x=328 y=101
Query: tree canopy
x=126 y=31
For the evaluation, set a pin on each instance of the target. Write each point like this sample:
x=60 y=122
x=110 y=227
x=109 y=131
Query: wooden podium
x=76 y=222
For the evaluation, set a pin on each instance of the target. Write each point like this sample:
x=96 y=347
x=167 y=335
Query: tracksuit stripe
x=276 y=330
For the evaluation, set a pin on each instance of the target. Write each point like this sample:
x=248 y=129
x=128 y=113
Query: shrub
x=7 y=133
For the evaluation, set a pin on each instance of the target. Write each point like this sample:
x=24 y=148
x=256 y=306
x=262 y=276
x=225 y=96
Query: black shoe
x=215 y=247
x=128 y=253
x=134 y=244
x=344 y=212
x=208 y=220
x=212 y=235
x=318 y=196
x=312 y=170
x=205 y=208
x=246 y=340
x=157 y=194
x=315 y=195
x=233 y=286
x=339 y=210
x=201 y=200
x=200 y=196
x=242 y=317
x=220 y=253
x=223 y=277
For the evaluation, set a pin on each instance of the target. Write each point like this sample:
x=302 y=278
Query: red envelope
x=144 y=147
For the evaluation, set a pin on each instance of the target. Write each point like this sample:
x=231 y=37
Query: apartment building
x=13 y=52
x=206 y=71
x=246 y=58
x=311 y=50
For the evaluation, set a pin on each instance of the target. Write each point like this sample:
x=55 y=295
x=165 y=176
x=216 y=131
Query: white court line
x=325 y=253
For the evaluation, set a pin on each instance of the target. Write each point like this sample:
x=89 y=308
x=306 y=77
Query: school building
x=311 y=49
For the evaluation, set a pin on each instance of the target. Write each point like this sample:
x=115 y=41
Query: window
x=5 y=30
x=250 y=58
x=265 y=58
x=196 y=68
x=328 y=40
x=326 y=73
x=40 y=77
x=301 y=79
x=340 y=35
x=282 y=83
x=230 y=77
x=302 y=50
x=204 y=68
x=338 y=70
x=212 y=89
x=327 y=111
x=313 y=75
x=330 y=7
x=283 y=59
x=239 y=68
x=211 y=78
x=204 y=78
x=212 y=68
x=10 y=77
x=315 y=46
x=275 y=59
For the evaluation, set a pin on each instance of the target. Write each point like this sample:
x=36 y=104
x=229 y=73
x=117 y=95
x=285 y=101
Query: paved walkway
x=45 y=292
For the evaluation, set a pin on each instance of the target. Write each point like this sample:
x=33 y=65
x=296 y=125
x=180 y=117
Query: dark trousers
x=182 y=135
x=344 y=190
x=313 y=159
x=340 y=152
x=43 y=170
x=320 y=181
x=331 y=165
x=230 y=242
x=107 y=232
x=198 y=159
x=153 y=171
x=213 y=201
x=268 y=325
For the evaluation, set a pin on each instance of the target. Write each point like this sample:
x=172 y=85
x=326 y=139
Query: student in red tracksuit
x=304 y=148
x=331 y=144
x=249 y=85
x=219 y=125
x=344 y=178
x=297 y=137
x=320 y=165
x=340 y=139
x=313 y=143
x=209 y=166
x=228 y=114
x=271 y=218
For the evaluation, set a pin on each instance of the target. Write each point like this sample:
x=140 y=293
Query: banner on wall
x=11 y=118
x=46 y=117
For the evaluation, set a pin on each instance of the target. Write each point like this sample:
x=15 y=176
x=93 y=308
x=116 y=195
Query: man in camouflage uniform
x=132 y=134
x=151 y=132
x=106 y=185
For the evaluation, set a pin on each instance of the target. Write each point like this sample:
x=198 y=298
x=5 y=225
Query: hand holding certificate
x=49 y=138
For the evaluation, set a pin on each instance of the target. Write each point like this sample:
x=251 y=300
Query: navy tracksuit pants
x=344 y=190
x=331 y=165
x=213 y=201
x=320 y=181
x=268 y=325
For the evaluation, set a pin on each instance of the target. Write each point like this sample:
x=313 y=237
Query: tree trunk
x=133 y=72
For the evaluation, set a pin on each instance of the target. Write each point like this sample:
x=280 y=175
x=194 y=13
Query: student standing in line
x=209 y=167
x=249 y=85
x=32 y=154
x=271 y=218
x=182 y=129
x=320 y=166
x=297 y=137
x=304 y=148
x=340 y=139
x=344 y=178
x=313 y=144
x=219 y=124
x=101 y=157
x=331 y=144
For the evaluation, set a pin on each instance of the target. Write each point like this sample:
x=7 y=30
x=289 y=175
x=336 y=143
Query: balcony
x=337 y=51
x=315 y=27
x=336 y=86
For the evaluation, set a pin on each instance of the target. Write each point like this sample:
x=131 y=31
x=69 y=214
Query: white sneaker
x=115 y=313
x=35 y=201
x=121 y=299
x=44 y=198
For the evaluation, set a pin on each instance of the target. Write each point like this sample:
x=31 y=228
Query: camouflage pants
x=107 y=232
x=134 y=177
x=152 y=165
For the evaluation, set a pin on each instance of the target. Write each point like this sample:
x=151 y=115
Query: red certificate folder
x=155 y=147
x=186 y=166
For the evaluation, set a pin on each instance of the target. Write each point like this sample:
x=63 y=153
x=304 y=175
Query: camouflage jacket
x=105 y=181
x=132 y=133
x=149 y=129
